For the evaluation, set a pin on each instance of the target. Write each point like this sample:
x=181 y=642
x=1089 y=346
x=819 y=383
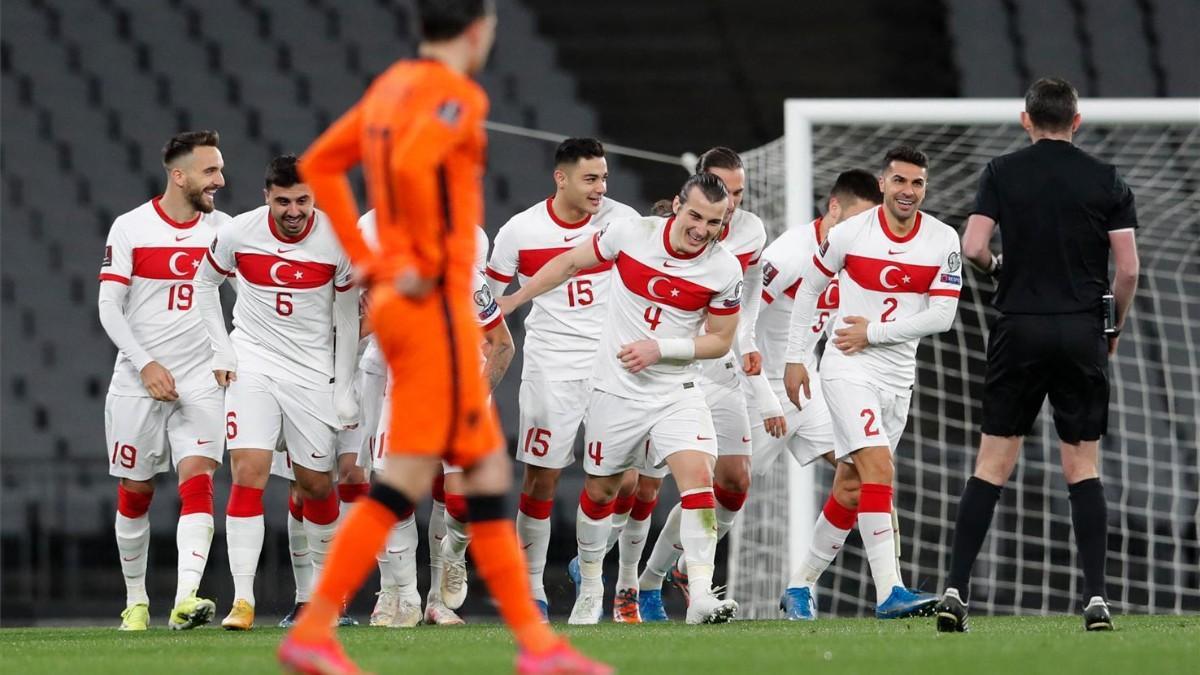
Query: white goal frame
x=801 y=114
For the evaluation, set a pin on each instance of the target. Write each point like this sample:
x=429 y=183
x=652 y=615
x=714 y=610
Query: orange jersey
x=418 y=131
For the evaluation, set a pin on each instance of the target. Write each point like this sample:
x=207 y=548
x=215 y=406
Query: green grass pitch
x=1021 y=645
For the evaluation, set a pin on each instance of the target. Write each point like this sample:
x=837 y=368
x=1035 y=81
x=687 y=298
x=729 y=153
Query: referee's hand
x=795 y=378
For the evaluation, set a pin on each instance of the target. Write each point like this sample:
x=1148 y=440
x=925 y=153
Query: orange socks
x=351 y=558
x=499 y=561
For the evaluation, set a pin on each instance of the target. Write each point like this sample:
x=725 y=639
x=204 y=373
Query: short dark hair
x=1052 y=103
x=905 y=153
x=282 y=172
x=447 y=19
x=572 y=150
x=185 y=142
x=712 y=187
x=857 y=184
x=719 y=157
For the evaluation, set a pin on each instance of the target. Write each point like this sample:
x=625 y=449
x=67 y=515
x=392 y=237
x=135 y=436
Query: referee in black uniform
x=1060 y=212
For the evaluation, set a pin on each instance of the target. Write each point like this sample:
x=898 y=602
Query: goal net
x=1150 y=463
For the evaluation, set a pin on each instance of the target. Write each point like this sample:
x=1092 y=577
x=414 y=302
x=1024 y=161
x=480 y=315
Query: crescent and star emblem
x=655 y=280
x=275 y=272
x=883 y=276
x=172 y=263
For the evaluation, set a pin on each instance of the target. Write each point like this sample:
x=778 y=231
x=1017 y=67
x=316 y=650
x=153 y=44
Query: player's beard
x=195 y=197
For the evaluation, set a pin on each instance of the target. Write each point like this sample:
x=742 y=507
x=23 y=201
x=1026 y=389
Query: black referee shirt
x=1055 y=205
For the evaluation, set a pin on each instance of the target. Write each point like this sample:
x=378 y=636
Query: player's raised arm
x=553 y=274
x=217 y=266
x=323 y=166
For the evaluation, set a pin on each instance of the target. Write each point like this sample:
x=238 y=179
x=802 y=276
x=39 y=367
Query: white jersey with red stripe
x=157 y=258
x=744 y=238
x=562 y=327
x=883 y=277
x=283 y=317
x=782 y=262
x=657 y=293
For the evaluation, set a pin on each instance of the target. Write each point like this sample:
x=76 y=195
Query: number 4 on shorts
x=595 y=451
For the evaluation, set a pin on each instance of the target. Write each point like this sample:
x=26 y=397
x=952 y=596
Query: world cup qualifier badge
x=107 y=256
x=954 y=262
x=769 y=272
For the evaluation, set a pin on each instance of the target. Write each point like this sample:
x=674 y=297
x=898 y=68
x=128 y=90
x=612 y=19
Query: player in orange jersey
x=418 y=133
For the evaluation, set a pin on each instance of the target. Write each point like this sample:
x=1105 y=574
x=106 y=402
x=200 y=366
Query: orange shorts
x=440 y=403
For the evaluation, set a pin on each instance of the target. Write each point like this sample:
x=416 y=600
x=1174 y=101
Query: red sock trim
x=839 y=516
x=876 y=498
x=322 y=511
x=731 y=500
x=699 y=500
x=642 y=510
x=132 y=504
x=456 y=507
x=295 y=507
x=196 y=495
x=439 y=488
x=535 y=508
x=624 y=504
x=349 y=493
x=244 y=502
x=594 y=510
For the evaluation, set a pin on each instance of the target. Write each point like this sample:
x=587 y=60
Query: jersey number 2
x=869 y=428
x=891 y=304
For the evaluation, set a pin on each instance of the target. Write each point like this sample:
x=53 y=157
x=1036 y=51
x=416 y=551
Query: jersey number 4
x=653 y=317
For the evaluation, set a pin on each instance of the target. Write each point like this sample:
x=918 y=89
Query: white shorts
x=727 y=405
x=360 y=440
x=865 y=416
x=550 y=414
x=146 y=437
x=378 y=445
x=622 y=433
x=262 y=412
x=809 y=430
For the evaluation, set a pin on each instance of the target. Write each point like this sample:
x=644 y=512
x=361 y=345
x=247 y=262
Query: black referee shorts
x=1030 y=356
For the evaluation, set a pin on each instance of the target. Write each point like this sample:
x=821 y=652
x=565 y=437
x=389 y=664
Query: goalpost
x=1150 y=462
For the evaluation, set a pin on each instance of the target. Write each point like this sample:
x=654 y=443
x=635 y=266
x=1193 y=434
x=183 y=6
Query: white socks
x=698 y=536
x=454 y=546
x=664 y=553
x=193 y=538
x=436 y=533
x=534 y=533
x=593 y=525
x=133 y=545
x=827 y=540
x=633 y=543
x=244 y=539
x=401 y=553
x=302 y=565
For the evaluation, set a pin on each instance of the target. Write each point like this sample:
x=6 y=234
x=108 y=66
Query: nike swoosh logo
x=181 y=237
x=704 y=438
x=677 y=546
x=891 y=252
x=199 y=556
x=526 y=546
x=131 y=559
x=440 y=538
x=835 y=547
x=203 y=442
x=299 y=555
x=883 y=531
x=326 y=541
x=745 y=440
x=395 y=551
x=635 y=542
x=316 y=456
x=566 y=238
x=667 y=263
x=284 y=250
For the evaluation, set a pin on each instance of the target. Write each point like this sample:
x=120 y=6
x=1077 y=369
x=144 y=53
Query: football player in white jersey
x=808 y=433
x=561 y=331
x=744 y=236
x=287 y=377
x=675 y=298
x=162 y=408
x=899 y=278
